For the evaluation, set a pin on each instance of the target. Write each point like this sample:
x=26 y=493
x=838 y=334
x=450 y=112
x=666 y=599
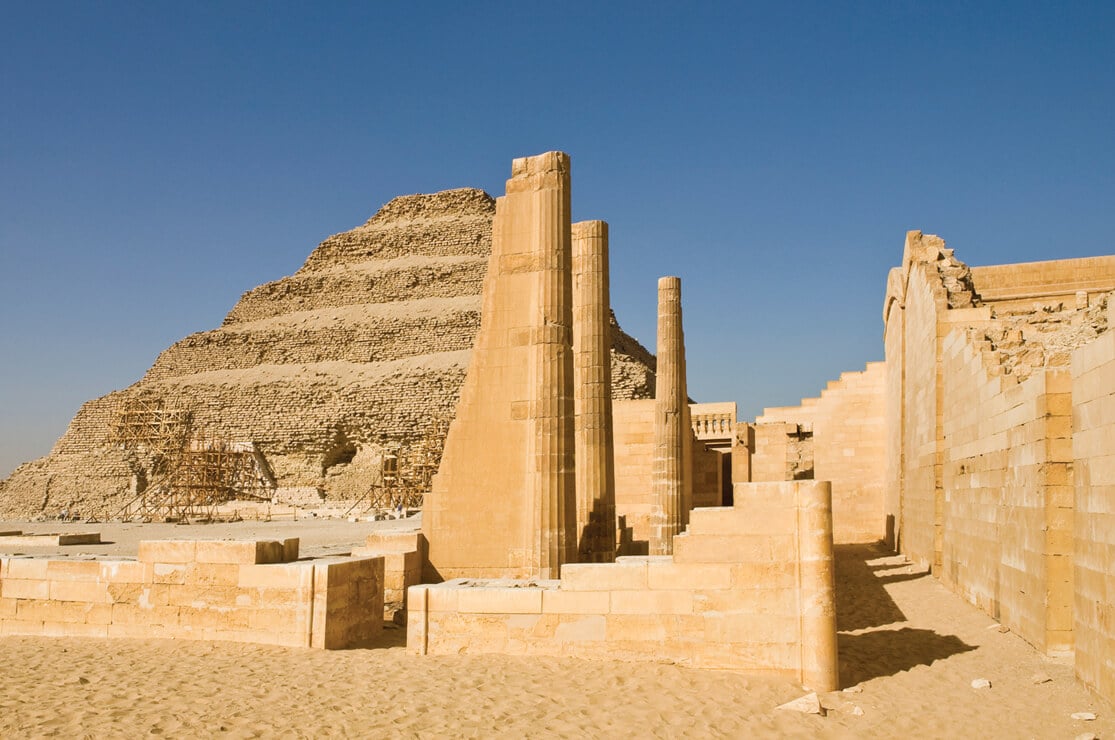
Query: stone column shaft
x=670 y=422
x=819 y=667
x=592 y=393
x=544 y=181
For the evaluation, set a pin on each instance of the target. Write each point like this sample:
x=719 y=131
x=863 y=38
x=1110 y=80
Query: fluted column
x=592 y=394
x=539 y=188
x=503 y=503
x=670 y=418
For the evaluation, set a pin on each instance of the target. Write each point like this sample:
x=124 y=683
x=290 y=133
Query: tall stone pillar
x=592 y=394
x=819 y=666
x=671 y=431
x=503 y=503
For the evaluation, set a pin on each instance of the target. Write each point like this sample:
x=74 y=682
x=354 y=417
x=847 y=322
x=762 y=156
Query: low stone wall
x=242 y=591
x=402 y=553
x=749 y=587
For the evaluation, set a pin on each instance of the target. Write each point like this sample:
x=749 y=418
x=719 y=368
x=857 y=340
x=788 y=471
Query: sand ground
x=908 y=644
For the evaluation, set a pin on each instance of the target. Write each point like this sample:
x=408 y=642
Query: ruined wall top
x=590 y=229
x=548 y=170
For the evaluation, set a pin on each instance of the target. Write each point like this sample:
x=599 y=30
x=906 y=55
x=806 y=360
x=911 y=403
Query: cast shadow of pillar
x=862 y=603
x=627 y=544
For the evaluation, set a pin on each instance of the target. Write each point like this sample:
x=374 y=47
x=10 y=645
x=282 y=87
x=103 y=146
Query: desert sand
x=908 y=645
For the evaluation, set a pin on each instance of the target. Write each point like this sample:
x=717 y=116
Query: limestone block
x=385 y=542
x=560 y=601
x=418 y=616
x=123 y=571
x=167 y=551
x=750 y=628
x=291 y=576
x=290 y=550
x=347 y=602
x=639 y=629
x=73 y=570
x=440 y=598
x=213 y=574
x=291 y=619
x=52 y=611
x=155 y=594
x=588 y=628
x=140 y=616
x=479 y=600
x=27 y=568
x=72 y=629
x=87 y=591
x=213 y=617
x=651 y=602
x=20 y=627
x=235 y=552
x=169 y=573
x=671 y=576
x=25 y=588
x=146 y=631
x=732 y=548
x=604 y=576
x=201 y=596
x=740 y=520
x=7 y=606
x=776 y=602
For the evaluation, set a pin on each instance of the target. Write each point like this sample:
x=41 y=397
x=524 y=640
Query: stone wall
x=998 y=382
x=748 y=588
x=366 y=345
x=1007 y=513
x=783 y=449
x=403 y=554
x=840 y=437
x=633 y=426
x=246 y=591
x=1093 y=445
x=633 y=432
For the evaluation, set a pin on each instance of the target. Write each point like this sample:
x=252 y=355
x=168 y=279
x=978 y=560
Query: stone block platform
x=237 y=590
x=19 y=539
x=748 y=588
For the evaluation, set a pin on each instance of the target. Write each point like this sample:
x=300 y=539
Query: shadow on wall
x=627 y=544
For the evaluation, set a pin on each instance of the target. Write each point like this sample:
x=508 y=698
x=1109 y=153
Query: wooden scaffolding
x=191 y=476
x=405 y=474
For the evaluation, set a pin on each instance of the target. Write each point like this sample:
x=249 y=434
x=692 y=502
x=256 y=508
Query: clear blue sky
x=158 y=159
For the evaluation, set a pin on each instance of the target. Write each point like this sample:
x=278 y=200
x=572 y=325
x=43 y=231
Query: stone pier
x=592 y=395
x=503 y=503
x=670 y=423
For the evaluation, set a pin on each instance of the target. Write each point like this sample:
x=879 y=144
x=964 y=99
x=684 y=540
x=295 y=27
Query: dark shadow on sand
x=861 y=600
x=887 y=652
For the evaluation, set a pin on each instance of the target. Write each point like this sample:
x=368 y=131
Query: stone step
x=732 y=548
x=373 y=281
x=375 y=339
x=754 y=520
